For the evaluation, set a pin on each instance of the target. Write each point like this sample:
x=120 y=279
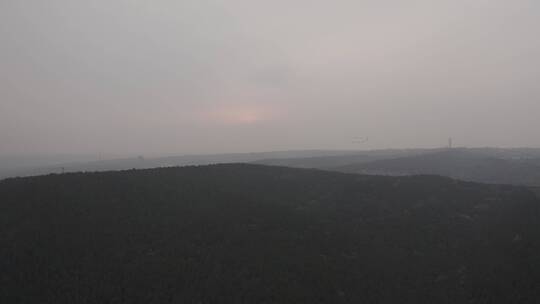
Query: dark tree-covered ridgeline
x=254 y=234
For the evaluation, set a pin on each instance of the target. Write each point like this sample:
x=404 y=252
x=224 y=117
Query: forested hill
x=254 y=234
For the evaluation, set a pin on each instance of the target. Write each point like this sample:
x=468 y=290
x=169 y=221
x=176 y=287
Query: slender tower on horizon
x=450 y=143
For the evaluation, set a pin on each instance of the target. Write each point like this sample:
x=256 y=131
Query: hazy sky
x=190 y=76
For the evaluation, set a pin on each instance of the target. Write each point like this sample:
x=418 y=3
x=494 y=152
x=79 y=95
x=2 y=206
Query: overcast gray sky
x=207 y=76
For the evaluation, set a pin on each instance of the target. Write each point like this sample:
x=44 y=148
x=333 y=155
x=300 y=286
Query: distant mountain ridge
x=141 y=162
x=487 y=165
x=518 y=166
x=332 y=161
x=459 y=164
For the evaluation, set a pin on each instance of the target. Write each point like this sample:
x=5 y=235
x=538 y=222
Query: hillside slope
x=254 y=234
x=456 y=163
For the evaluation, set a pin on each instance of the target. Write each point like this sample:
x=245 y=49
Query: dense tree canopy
x=254 y=234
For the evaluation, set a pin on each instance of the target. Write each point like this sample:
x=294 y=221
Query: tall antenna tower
x=450 y=143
